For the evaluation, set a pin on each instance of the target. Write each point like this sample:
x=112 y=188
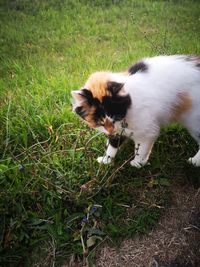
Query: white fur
x=153 y=94
x=110 y=153
x=104 y=160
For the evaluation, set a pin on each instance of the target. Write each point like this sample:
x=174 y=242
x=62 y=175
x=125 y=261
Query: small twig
x=111 y=176
x=98 y=246
x=118 y=169
x=54 y=251
x=7 y=127
x=192 y=227
x=93 y=137
x=155 y=47
x=83 y=245
x=36 y=144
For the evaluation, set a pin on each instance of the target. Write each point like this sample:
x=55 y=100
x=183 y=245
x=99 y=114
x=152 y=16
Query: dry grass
x=174 y=242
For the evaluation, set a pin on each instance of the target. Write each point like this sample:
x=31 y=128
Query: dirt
x=174 y=242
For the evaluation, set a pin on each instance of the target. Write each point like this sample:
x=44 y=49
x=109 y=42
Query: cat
x=154 y=92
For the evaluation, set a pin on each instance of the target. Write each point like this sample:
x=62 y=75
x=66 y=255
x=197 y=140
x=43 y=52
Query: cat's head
x=102 y=103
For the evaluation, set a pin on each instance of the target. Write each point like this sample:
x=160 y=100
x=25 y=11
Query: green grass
x=50 y=181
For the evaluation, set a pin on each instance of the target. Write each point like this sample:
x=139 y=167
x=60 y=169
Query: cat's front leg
x=110 y=154
x=142 y=152
x=114 y=143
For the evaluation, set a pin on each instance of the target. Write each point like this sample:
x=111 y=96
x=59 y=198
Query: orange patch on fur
x=89 y=118
x=183 y=104
x=109 y=126
x=97 y=84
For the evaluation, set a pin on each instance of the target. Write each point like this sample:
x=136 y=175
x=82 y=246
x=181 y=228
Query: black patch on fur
x=189 y=57
x=193 y=58
x=88 y=95
x=80 y=111
x=116 y=106
x=99 y=113
x=114 y=87
x=139 y=66
x=116 y=140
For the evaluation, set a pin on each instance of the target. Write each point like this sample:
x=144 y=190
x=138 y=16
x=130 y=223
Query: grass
x=55 y=200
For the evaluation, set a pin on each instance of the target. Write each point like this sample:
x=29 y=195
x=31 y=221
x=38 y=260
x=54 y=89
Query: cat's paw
x=138 y=164
x=195 y=161
x=104 y=160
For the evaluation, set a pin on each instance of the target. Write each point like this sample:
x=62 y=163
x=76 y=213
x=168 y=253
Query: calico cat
x=153 y=92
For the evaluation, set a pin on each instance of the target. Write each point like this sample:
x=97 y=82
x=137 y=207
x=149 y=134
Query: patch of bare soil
x=174 y=242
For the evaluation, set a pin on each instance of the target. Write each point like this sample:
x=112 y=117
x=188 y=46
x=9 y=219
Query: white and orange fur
x=167 y=91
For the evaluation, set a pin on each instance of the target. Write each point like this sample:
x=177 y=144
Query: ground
x=174 y=242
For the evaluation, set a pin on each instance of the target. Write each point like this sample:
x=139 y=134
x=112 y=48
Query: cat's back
x=175 y=65
x=168 y=73
x=161 y=83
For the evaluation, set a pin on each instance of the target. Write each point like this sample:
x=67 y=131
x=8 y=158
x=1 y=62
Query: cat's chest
x=128 y=132
x=127 y=129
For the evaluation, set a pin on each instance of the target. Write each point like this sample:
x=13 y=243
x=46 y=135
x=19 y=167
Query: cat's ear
x=77 y=95
x=114 y=87
x=82 y=95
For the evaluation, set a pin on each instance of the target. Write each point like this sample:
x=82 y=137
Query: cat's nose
x=109 y=126
x=110 y=130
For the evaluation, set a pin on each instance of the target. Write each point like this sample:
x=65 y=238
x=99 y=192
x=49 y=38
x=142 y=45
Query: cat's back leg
x=196 y=159
x=193 y=126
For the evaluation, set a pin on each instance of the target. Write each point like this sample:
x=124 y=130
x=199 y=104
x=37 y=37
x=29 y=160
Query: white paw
x=104 y=160
x=138 y=164
x=194 y=161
